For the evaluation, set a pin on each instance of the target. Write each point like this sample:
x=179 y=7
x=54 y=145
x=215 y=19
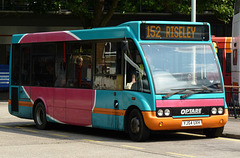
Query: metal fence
x=232 y=99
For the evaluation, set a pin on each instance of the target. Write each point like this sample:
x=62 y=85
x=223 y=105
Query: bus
x=223 y=47
x=4 y=62
x=235 y=51
x=137 y=77
x=4 y=77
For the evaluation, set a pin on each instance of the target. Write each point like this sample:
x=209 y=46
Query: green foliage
x=79 y=7
x=223 y=9
x=92 y=12
x=43 y=6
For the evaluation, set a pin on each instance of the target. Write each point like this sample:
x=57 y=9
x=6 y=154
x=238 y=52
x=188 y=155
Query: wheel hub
x=39 y=116
x=135 y=125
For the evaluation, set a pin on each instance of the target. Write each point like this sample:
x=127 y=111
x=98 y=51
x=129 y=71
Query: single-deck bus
x=137 y=77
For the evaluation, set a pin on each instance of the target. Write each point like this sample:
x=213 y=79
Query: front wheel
x=40 y=118
x=137 y=129
x=213 y=132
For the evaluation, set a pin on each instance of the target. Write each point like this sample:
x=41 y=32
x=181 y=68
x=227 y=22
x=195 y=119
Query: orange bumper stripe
x=168 y=123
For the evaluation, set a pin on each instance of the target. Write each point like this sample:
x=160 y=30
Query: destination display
x=174 y=32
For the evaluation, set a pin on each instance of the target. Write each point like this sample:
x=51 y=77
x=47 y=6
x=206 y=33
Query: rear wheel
x=213 y=132
x=40 y=118
x=137 y=129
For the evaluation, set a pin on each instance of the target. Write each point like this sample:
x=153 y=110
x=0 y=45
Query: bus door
x=79 y=95
x=108 y=82
x=20 y=76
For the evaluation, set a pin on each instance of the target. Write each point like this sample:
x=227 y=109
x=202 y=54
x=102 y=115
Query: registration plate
x=192 y=123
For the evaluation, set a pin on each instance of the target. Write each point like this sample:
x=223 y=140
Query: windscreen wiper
x=171 y=94
x=214 y=85
x=204 y=89
x=188 y=94
x=177 y=92
x=192 y=91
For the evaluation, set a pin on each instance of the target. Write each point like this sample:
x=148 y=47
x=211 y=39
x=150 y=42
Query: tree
x=223 y=9
x=97 y=13
x=93 y=13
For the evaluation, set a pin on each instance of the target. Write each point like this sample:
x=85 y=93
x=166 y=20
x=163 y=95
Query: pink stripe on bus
x=189 y=103
x=48 y=37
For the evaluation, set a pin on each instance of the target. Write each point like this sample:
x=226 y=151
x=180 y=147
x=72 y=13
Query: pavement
x=232 y=128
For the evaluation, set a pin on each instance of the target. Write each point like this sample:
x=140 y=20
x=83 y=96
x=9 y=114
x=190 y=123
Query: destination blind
x=174 y=32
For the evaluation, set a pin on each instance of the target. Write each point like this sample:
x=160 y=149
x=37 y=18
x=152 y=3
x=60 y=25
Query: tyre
x=213 y=132
x=40 y=118
x=137 y=129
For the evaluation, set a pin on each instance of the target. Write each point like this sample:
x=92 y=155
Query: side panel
x=79 y=104
x=20 y=103
x=59 y=104
x=46 y=95
x=70 y=106
x=105 y=114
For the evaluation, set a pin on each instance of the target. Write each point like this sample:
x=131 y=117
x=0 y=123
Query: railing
x=232 y=99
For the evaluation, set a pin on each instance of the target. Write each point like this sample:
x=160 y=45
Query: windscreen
x=182 y=66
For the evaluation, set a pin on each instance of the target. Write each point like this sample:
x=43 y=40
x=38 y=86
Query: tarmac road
x=20 y=138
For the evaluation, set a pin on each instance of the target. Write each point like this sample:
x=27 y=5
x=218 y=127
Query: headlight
x=220 y=110
x=167 y=112
x=160 y=112
x=214 y=111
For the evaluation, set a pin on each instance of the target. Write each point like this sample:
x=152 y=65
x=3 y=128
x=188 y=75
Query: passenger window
x=60 y=66
x=108 y=66
x=79 y=65
x=43 y=65
x=135 y=74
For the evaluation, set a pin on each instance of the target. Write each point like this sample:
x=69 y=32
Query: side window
x=135 y=75
x=79 y=65
x=108 y=66
x=60 y=66
x=43 y=65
